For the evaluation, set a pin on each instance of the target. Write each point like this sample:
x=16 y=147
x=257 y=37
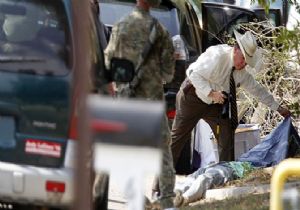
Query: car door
x=195 y=26
x=219 y=20
x=188 y=33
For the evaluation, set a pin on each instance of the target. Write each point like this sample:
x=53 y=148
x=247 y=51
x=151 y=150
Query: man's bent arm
x=256 y=89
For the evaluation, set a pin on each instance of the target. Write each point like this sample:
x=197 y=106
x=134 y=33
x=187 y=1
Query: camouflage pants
x=167 y=176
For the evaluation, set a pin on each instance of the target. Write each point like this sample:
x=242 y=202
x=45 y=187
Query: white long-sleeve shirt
x=212 y=71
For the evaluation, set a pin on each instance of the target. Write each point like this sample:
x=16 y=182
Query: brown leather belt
x=187 y=86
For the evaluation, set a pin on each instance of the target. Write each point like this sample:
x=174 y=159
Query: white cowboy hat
x=248 y=46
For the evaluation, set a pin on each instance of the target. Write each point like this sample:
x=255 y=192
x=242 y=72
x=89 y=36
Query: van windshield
x=34 y=37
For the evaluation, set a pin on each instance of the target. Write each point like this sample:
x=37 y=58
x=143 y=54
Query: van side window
x=37 y=32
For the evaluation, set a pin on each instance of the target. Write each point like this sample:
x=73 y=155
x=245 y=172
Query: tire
x=100 y=190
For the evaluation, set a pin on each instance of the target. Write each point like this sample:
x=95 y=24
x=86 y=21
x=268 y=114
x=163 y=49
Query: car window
x=168 y=18
x=273 y=16
x=34 y=37
x=255 y=4
x=233 y=18
x=276 y=10
x=112 y=12
x=220 y=23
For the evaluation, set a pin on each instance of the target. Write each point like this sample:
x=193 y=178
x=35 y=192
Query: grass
x=256 y=177
x=249 y=202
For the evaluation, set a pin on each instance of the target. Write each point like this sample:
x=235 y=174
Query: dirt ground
x=257 y=177
x=250 y=202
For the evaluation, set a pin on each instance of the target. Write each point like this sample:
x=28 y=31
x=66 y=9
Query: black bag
x=122 y=70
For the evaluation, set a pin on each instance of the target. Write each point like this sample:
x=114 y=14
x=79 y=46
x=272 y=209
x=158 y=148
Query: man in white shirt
x=201 y=97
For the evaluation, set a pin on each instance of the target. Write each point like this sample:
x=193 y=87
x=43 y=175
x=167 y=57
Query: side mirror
x=122 y=70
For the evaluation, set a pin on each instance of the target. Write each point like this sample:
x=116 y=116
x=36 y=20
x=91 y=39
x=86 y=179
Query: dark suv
x=37 y=98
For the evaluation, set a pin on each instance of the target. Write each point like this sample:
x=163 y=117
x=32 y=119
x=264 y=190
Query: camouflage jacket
x=127 y=41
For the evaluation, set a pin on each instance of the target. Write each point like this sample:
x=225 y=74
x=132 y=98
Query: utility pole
x=81 y=28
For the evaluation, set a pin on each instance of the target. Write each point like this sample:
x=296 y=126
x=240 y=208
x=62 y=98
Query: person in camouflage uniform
x=127 y=40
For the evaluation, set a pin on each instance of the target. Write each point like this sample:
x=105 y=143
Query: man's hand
x=284 y=112
x=217 y=96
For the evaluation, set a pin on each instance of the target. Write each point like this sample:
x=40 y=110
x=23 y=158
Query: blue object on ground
x=281 y=143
